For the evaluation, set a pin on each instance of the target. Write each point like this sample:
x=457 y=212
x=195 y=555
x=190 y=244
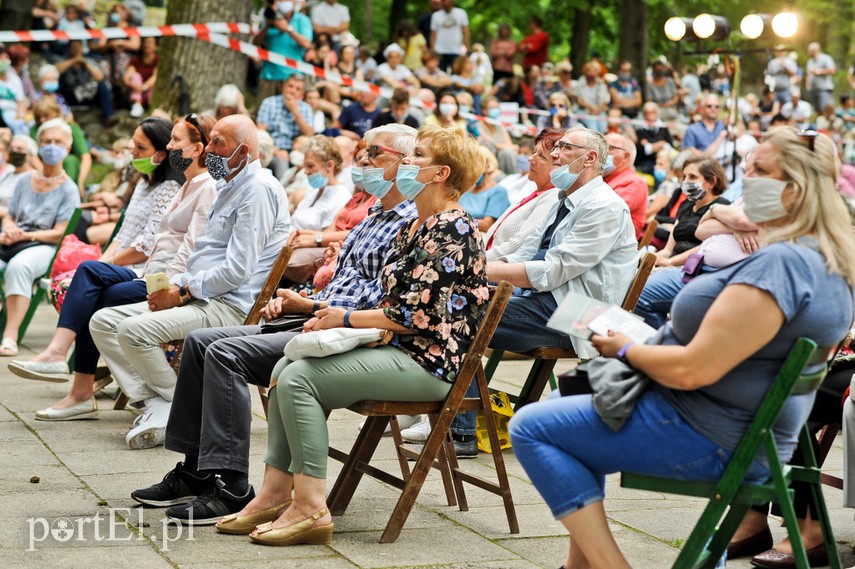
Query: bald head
x=238 y=130
x=622 y=151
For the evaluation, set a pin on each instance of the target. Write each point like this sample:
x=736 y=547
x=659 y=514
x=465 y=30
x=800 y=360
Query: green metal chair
x=40 y=291
x=802 y=372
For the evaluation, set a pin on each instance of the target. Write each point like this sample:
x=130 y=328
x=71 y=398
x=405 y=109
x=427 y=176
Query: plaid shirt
x=280 y=122
x=356 y=282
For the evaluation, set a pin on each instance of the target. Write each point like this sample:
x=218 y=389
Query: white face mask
x=762 y=197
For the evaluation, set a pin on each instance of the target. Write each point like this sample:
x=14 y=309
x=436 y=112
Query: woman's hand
x=663 y=260
x=330 y=317
x=304 y=238
x=608 y=346
x=11 y=234
x=747 y=241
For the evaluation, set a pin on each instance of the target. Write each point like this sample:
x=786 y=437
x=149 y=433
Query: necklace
x=58 y=177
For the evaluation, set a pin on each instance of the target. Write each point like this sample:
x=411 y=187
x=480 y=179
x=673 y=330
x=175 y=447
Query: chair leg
x=726 y=531
x=398 y=441
x=121 y=402
x=817 y=497
x=362 y=451
x=262 y=392
x=38 y=296
x=454 y=465
x=446 y=451
x=498 y=456
x=492 y=363
x=535 y=383
x=704 y=529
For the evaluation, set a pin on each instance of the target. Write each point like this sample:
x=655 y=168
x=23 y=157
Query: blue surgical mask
x=52 y=154
x=50 y=86
x=609 y=166
x=317 y=180
x=481 y=179
x=659 y=175
x=406 y=180
x=562 y=178
x=376 y=183
x=356 y=175
x=493 y=113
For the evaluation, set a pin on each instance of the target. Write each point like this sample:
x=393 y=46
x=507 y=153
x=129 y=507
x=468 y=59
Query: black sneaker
x=209 y=507
x=468 y=449
x=178 y=487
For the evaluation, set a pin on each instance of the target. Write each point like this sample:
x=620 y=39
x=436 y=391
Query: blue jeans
x=658 y=295
x=523 y=325
x=566 y=449
x=95 y=285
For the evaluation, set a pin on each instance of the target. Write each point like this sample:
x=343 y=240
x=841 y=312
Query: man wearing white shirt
x=332 y=18
x=449 y=31
x=797 y=110
x=585 y=244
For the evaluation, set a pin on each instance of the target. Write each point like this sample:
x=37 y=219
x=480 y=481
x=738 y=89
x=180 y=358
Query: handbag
x=692 y=267
x=502 y=411
x=9 y=251
x=322 y=343
x=285 y=323
x=71 y=253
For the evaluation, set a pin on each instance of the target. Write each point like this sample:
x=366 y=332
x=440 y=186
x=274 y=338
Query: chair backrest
x=69 y=229
x=270 y=285
x=115 y=231
x=802 y=372
x=638 y=282
x=647 y=237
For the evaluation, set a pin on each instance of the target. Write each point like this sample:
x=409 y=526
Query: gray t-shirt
x=822 y=62
x=815 y=304
x=34 y=211
x=777 y=69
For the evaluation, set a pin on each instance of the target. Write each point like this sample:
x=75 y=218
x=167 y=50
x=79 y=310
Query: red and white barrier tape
x=301 y=66
x=186 y=30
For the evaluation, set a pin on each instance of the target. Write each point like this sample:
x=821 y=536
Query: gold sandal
x=234 y=524
x=297 y=534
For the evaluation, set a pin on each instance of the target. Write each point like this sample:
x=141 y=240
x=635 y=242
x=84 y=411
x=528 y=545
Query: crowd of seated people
x=385 y=196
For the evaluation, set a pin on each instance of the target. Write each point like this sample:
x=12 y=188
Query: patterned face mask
x=218 y=166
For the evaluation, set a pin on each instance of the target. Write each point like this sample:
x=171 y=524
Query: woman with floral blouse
x=436 y=293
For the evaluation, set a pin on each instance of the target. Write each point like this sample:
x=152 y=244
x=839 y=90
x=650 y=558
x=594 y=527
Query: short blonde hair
x=457 y=150
x=324 y=148
x=818 y=209
x=491 y=163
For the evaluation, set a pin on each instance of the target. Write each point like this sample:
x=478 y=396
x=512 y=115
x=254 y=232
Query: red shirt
x=354 y=211
x=633 y=189
x=538 y=46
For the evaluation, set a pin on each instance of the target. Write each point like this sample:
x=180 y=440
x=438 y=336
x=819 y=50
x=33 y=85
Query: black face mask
x=17 y=159
x=177 y=161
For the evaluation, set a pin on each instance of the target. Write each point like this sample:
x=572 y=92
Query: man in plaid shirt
x=211 y=411
x=286 y=116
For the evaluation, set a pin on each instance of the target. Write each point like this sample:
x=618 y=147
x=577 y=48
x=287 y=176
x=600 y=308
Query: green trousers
x=297 y=438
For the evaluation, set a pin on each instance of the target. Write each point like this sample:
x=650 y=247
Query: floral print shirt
x=437 y=287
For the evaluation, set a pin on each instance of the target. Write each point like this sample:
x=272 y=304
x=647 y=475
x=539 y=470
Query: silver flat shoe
x=55 y=372
x=84 y=410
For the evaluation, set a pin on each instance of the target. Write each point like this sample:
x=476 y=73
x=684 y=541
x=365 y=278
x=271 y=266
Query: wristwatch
x=184 y=295
x=319 y=239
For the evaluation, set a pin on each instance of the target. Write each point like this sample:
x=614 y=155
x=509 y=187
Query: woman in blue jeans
x=730 y=333
x=161 y=152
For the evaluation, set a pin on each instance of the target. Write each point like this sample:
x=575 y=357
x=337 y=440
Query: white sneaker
x=404 y=422
x=418 y=433
x=137 y=110
x=150 y=426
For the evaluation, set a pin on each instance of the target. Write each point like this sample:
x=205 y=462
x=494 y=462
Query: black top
x=643 y=161
x=688 y=219
x=386 y=118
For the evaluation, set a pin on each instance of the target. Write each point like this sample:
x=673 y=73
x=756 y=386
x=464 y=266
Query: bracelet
x=347 y=319
x=621 y=353
x=316 y=306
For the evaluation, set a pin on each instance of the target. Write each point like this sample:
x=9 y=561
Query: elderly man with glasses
x=703 y=133
x=585 y=245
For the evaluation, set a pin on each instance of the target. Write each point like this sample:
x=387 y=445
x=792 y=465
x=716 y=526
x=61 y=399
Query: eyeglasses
x=193 y=119
x=562 y=146
x=618 y=148
x=809 y=136
x=376 y=150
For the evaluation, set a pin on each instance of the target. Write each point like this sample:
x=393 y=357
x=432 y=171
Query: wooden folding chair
x=546 y=358
x=40 y=292
x=801 y=373
x=438 y=448
x=252 y=318
x=647 y=237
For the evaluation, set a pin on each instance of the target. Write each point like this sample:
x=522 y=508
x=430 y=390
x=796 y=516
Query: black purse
x=9 y=251
x=286 y=323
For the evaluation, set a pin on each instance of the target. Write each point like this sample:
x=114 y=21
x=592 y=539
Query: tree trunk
x=15 y=15
x=368 y=33
x=205 y=67
x=581 y=38
x=397 y=12
x=633 y=36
